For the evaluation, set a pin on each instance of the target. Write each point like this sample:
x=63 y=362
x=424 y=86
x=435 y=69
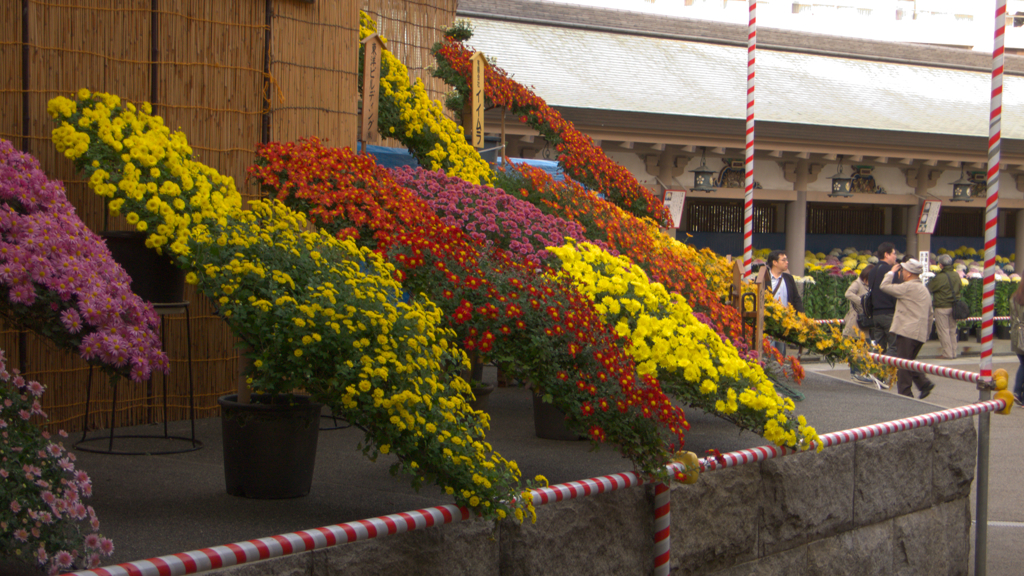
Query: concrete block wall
x=898 y=504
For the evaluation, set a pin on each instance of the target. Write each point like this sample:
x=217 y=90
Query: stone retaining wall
x=898 y=504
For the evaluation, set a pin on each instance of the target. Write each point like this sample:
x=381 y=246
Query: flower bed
x=693 y=363
x=577 y=154
x=543 y=331
x=408 y=114
x=313 y=311
x=503 y=309
x=491 y=215
x=540 y=329
x=700 y=275
x=58 y=279
x=44 y=520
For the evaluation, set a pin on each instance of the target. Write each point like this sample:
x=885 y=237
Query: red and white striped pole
x=662 y=529
x=988 y=291
x=748 y=161
x=992 y=201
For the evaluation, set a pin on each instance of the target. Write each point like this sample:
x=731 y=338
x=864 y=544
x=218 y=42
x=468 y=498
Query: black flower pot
x=154 y=277
x=549 y=422
x=1001 y=330
x=269 y=445
x=482 y=392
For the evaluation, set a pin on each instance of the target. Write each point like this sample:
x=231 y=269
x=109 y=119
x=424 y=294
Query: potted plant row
x=311 y=311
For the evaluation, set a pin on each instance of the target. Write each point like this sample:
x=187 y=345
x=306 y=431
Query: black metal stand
x=337 y=426
x=163 y=309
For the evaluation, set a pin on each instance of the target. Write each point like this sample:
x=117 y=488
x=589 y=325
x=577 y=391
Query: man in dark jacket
x=780 y=281
x=777 y=279
x=945 y=287
x=884 y=304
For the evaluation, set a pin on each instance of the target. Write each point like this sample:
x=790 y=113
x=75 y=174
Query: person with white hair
x=945 y=289
x=911 y=323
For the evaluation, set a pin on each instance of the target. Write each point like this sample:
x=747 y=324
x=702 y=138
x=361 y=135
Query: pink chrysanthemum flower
x=35 y=388
x=51 y=262
x=63 y=559
x=71 y=320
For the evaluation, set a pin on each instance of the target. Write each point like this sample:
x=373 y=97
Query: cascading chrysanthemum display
x=58 y=279
x=313 y=311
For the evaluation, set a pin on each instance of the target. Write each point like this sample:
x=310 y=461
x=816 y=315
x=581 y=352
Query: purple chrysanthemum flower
x=50 y=262
x=491 y=215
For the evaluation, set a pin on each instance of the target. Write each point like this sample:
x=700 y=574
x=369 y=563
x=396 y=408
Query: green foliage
x=1004 y=290
x=825 y=297
x=972 y=295
x=461 y=30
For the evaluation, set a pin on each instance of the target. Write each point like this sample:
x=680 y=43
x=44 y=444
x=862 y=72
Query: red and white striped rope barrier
x=762 y=453
x=977 y=318
x=988 y=291
x=915 y=366
x=197 y=561
x=206 y=559
x=971 y=319
x=588 y=487
x=748 y=159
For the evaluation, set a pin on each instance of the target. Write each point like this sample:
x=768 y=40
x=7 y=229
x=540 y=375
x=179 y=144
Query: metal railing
x=198 y=561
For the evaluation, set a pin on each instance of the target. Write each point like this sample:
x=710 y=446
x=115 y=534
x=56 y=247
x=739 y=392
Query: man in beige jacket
x=912 y=322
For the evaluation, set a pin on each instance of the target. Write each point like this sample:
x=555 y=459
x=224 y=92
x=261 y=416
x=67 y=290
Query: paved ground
x=1006 y=490
x=156 y=505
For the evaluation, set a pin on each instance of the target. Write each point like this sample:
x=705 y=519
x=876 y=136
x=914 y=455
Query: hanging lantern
x=841 y=183
x=703 y=177
x=962 y=188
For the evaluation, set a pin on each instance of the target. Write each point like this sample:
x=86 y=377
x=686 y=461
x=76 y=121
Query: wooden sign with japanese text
x=476 y=116
x=371 y=89
x=674 y=201
x=929 y=216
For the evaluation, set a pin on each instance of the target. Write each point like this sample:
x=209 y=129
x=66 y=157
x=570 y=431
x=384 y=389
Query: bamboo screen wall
x=206 y=67
x=313 y=62
x=412 y=27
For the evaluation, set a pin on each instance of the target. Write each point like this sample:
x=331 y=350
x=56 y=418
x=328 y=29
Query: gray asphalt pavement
x=1006 y=489
x=156 y=505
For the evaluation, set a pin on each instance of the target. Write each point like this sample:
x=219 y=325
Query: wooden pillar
x=800 y=173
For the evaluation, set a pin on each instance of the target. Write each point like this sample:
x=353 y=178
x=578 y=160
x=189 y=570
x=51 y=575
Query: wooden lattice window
x=727 y=216
x=960 y=222
x=844 y=219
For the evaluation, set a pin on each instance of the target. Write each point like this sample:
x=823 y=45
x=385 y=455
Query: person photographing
x=883 y=304
x=911 y=322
